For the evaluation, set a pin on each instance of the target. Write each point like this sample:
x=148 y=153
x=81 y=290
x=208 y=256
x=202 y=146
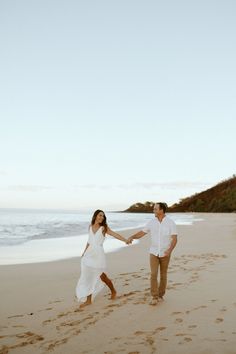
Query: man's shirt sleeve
x=147 y=227
x=173 y=228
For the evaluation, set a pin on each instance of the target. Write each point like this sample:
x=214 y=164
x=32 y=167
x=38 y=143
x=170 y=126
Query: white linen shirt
x=161 y=233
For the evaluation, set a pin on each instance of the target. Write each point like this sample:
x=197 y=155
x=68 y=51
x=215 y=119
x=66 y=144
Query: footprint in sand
x=4 y=349
x=124 y=274
x=29 y=338
x=52 y=345
x=149 y=340
x=196 y=308
x=159 y=329
x=219 y=320
x=223 y=309
x=138 y=333
x=47 y=309
x=63 y=314
x=192 y=326
x=69 y=324
x=129 y=294
x=15 y=316
x=26 y=335
x=113 y=305
x=193 y=279
x=107 y=312
x=185 y=340
x=54 y=302
x=178 y=320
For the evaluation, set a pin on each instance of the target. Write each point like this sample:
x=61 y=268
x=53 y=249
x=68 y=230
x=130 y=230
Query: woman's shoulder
x=90 y=229
x=104 y=230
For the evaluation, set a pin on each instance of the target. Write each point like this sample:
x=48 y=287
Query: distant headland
x=219 y=199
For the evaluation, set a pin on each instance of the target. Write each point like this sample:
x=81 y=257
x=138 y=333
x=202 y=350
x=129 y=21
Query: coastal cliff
x=218 y=199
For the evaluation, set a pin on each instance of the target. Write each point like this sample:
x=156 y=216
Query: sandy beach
x=39 y=312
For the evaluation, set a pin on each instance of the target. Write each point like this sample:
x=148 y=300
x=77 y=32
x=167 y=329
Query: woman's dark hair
x=162 y=206
x=103 y=223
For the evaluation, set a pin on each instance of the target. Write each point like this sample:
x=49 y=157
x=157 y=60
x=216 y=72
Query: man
x=163 y=241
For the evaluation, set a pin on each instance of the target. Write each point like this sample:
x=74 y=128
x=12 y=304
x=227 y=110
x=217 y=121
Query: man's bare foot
x=113 y=295
x=153 y=301
x=86 y=303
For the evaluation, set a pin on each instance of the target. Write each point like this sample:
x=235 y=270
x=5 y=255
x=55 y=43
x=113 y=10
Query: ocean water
x=32 y=236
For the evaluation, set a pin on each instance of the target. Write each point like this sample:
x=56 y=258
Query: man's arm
x=136 y=236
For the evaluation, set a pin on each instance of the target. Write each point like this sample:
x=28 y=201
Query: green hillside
x=220 y=198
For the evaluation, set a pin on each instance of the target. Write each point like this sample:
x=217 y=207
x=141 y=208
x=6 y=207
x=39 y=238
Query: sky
x=107 y=103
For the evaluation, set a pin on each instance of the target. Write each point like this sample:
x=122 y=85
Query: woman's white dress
x=93 y=264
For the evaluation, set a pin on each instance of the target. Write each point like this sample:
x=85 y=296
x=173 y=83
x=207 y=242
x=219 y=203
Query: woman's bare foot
x=113 y=295
x=86 y=303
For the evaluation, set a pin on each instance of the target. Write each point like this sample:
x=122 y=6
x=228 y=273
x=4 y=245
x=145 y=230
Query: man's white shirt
x=161 y=233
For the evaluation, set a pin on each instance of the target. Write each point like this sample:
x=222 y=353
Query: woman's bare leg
x=87 y=302
x=110 y=285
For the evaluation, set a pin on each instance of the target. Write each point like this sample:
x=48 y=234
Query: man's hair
x=163 y=206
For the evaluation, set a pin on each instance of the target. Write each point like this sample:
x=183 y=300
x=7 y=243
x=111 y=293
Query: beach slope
x=39 y=312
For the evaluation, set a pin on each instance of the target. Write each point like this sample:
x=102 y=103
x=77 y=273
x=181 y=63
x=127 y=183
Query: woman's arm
x=85 y=249
x=116 y=235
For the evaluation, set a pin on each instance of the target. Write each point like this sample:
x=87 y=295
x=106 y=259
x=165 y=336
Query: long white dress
x=93 y=264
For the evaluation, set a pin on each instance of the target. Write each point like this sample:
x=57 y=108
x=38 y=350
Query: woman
x=93 y=262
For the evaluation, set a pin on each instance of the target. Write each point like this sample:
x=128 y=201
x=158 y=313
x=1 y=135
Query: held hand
x=130 y=240
x=127 y=242
x=167 y=253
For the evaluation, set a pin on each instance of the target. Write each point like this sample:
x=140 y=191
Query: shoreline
x=59 y=244
x=78 y=242
x=39 y=312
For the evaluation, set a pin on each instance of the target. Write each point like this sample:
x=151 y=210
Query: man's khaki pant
x=155 y=263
